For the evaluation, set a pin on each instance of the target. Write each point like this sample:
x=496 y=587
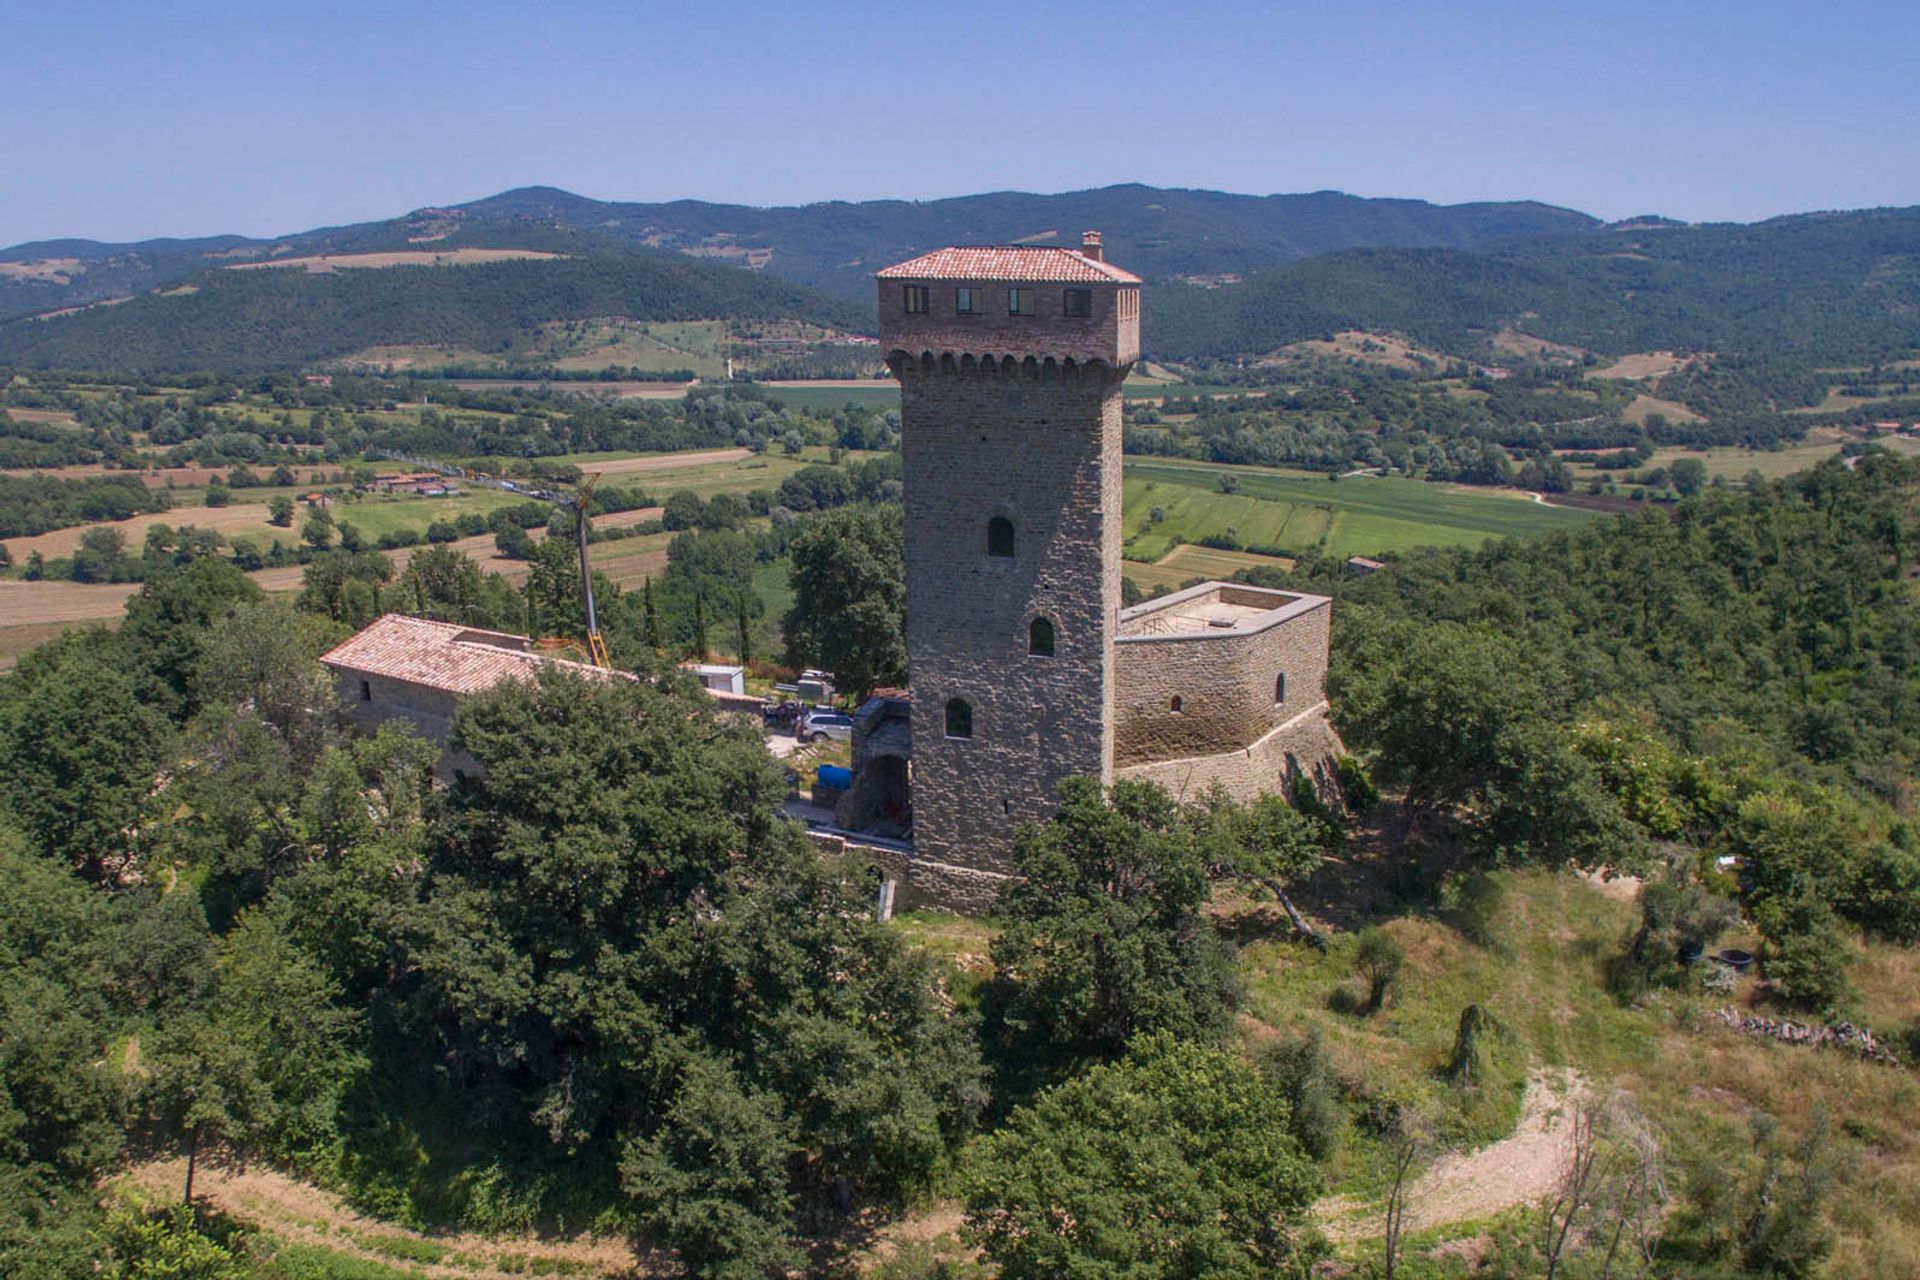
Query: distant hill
x=1231 y=276
x=1161 y=233
x=286 y=318
x=1812 y=283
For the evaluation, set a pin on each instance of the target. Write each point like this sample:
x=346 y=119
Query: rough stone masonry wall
x=923 y=882
x=1225 y=682
x=1303 y=746
x=430 y=711
x=978 y=442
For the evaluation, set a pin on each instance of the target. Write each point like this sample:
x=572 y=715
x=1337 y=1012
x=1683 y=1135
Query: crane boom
x=596 y=645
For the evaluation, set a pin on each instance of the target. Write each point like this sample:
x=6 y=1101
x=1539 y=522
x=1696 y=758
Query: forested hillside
x=834 y=246
x=1819 y=285
x=252 y=321
x=1828 y=283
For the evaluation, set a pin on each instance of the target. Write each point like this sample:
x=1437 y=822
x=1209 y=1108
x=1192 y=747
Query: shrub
x=1473 y=903
x=1356 y=785
x=1377 y=959
x=1299 y=1069
x=1468 y=1061
x=1810 y=968
x=1675 y=916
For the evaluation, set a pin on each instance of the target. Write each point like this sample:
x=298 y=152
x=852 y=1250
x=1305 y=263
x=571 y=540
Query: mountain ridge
x=830 y=245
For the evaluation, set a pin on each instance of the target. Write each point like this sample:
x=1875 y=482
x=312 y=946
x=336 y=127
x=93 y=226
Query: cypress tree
x=651 y=614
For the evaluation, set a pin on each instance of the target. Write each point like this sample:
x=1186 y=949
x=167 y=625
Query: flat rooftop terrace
x=1214 y=609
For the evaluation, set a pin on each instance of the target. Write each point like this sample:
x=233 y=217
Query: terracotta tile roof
x=445 y=655
x=1008 y=262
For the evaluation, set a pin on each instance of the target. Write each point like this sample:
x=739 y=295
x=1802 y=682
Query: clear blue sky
x=126 y=120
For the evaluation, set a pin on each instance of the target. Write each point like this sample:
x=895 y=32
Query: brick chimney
x=1090 y=246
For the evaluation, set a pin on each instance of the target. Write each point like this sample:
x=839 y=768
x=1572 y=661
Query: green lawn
x=376 y=514
x=882 y=394
x=1356 y=516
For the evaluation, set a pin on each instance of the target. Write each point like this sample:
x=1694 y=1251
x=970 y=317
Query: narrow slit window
x=366 y=691
x=1020 y=302
x=916 y=299
x=1280 y=687
x=1040 y=638
x=959 y=718
x=1078 y=304
x=1000 y=537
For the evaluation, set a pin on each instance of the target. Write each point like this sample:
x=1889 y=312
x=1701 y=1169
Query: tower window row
x=972 y=300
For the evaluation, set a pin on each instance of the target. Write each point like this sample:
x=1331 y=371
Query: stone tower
x=1010 y=363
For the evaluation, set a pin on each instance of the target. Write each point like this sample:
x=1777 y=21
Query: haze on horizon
x=128 y=122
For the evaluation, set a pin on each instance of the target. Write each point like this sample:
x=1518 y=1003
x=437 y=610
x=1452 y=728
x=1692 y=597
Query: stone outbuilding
x=418 y=669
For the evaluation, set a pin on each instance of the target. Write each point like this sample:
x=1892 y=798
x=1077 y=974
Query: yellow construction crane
x=596 y=647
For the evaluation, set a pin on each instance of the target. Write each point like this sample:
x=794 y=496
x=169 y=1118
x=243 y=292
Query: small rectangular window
x=966 y=301
x=1019 y=302
x=366 y=692
x=1078 y=304
x=917 y=299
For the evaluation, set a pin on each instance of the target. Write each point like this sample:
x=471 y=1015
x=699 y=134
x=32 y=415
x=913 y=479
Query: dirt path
x=665 y=461
x=300 y=1213
x=1470 y=1185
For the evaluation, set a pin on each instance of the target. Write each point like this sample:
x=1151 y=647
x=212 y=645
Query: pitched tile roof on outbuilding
x=1009 y=262
x=445 y=655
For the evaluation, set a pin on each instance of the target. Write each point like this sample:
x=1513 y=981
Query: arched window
x=1280 y=687
x=959 y=718
x=1000 y=536
x=1175 y=704
x=1040 y=638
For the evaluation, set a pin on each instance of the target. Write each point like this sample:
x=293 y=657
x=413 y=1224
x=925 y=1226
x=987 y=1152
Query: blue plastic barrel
x=833 y=775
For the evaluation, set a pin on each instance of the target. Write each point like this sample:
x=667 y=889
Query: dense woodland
x=247 y=321
x=604 y=983
x=1827 y=284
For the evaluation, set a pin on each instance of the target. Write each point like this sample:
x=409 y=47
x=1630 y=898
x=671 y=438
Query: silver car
x=818 y=726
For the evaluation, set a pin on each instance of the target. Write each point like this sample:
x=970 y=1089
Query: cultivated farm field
x=1185 y=563
x=1361 y=515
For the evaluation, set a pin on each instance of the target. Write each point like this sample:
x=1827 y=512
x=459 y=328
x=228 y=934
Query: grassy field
x=878 y=394
x=698 y=345
x=1183 y=564
x=1734 y=463
x=1357 y=516
x=1642 y=406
